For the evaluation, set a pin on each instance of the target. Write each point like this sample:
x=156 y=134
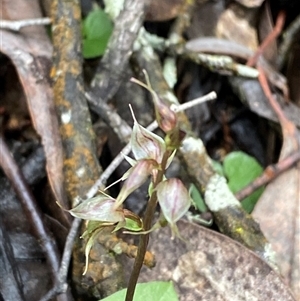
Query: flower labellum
x=132 y=222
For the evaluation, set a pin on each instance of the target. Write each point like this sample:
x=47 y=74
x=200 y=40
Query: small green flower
x=130 y=221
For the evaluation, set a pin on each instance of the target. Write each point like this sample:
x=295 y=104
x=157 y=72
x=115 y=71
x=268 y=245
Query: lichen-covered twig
x=227 y=211
x=230 y=48
x=81 y=166
x=17 y=25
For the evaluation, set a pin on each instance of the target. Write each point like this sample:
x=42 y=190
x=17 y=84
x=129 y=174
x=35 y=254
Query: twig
x=108 y=115
x=271 y=37
x=81 y=165
x=61 y=286
x=13 y=284
x=30 y=207
x=111 y=69
x=288 y=127
x=210 y=96
x=270 y=173
x=233 y=49
x=17 y=25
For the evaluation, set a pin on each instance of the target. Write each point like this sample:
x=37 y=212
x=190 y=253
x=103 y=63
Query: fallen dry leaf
x=163 y=10
x=278 y=214
x=211 y=266
x=204 y=18
x=235 y=25
x=31 y=55
x=278 y=209
x=293 y=74
x=265 y=26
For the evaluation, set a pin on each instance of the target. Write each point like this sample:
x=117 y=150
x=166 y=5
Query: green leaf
x=198 y=201
x=240 y=170
x=218 y=168
x=97 y=29
x=156 y=290
x=93 y=48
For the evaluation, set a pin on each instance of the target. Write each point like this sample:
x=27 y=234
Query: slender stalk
x=144 y=238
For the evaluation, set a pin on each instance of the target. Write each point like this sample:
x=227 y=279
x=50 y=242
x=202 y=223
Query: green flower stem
x=144 y=238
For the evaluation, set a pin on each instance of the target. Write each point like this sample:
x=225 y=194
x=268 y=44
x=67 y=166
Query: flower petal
x=145 y=144
x=99 y=208
x=138 y=176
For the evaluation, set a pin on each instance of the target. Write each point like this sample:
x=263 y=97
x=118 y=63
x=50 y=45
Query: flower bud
x=173 y=199
x=166 y=118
